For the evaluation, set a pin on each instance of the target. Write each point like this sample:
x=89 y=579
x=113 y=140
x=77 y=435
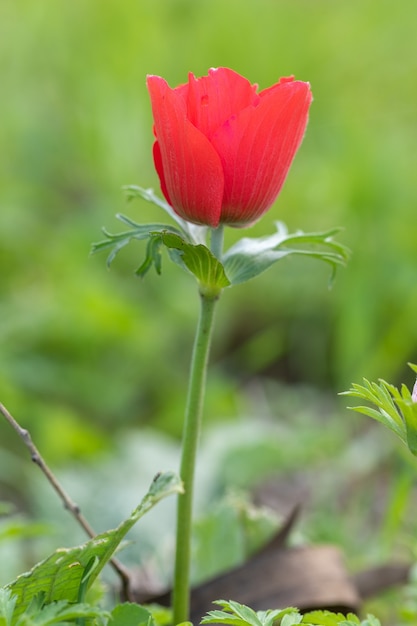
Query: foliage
x=395 y=408
x=283 y=430
x=236 y=614
x=248 y=258
x=308 y=433
x=68 y=573
x=40 y=613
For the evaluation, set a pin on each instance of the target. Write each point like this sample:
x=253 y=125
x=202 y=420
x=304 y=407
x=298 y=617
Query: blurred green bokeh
x=84 y=351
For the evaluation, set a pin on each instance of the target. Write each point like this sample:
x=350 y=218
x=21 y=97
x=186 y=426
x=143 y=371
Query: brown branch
x=69 y=504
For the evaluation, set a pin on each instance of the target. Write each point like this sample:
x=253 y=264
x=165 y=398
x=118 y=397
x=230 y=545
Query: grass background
x=86 y=354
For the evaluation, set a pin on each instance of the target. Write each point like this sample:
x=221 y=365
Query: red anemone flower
x=222 y=149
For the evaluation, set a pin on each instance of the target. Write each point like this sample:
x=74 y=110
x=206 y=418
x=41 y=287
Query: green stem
x=216 y=242
x=192 y=424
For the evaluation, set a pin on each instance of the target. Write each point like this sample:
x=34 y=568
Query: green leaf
x=252 y=256
x=395 y=408
x=238 y=614
x=193 y=232
x=41 y=614
x=371 y=620
x=328 y=618
x=245 y=613
x=199 y=261
x=291 y=619
x=92 y=565
x=59 y=613
x=323 y=618
x=116 y=242
x=413 y=367
x=161 y=615
x=186 y=244
x=129 y=614
x=386 y=411
x=134 y=191
x=7 y=606
x=152 y=257
x=408 y=409
x=60 y=575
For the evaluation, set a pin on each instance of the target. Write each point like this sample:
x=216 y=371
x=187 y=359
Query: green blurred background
x=76 y=126
x=86 y=353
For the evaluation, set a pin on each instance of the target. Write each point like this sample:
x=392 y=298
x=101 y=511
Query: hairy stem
x=192 y=424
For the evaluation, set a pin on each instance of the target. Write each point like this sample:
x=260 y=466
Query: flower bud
x=222 y=149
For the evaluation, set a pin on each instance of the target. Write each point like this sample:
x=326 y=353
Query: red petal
x=157 y=159
x=188 y=166
x=257 y=147
x=213 y=99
